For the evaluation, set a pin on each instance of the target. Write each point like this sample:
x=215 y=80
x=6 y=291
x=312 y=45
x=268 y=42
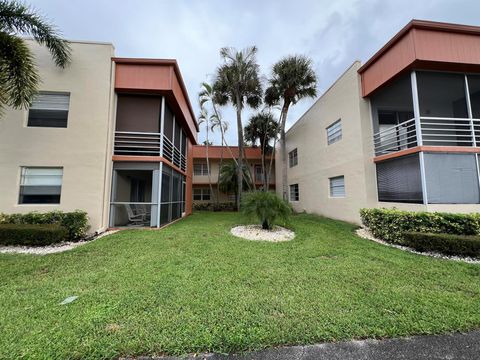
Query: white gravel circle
x=50 y=249
x=256 y=233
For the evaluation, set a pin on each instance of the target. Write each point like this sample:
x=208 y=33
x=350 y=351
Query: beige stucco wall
x=350 y=157
x=83 y=149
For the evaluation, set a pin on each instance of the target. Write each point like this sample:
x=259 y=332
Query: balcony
x=148 y=144
x=434 y=131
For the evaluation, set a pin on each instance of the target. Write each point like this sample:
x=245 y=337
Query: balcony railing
x=148 y=144
x=435 y=131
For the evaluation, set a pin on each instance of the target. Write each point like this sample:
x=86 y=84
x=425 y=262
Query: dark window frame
x=293 y=158
x=294 y=192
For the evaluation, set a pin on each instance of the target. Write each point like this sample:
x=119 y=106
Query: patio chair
x=134 y=217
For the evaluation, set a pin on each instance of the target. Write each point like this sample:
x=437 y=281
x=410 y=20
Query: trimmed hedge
x=391 y=224
x=32 y=235
x=448 y=244
x=226 y=206
x=75 y=222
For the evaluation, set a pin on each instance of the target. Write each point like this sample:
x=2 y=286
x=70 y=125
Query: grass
x=193 y=287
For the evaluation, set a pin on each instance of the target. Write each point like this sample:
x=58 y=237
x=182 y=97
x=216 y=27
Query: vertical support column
x=155 y=207
x=472 y=127
x=159 y=192
x=418 y=130
x=111 y=221
x=173 y=140
x=162 y=124
x=469 y=110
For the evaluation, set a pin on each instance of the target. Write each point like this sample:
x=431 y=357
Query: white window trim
x=48 y=92
x=330 y=187
x=332 y=140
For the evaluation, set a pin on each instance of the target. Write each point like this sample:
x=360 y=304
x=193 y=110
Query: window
x=49 y=110
x=200 y=169
x=334 y=132
x=293 y=158
x=232 y=198
x=201 y=194
x=398 y=180
x=40 y=185
x=294 y=194
x=337 y=186
x=258 y=173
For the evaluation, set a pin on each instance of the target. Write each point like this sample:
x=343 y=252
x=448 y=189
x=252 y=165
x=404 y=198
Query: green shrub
x=32 y=235
x=225 y=206
x=391 y=224
x=75 y=222
x=266 y=207
x=448 y=244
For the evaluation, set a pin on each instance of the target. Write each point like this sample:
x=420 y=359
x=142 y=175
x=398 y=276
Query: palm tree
x=228 y=179
x=217 y=122
x=203 y=118
x=207 y=95
x=262 y=128
x=238 y=82
x=293 y=79
x=19 y=78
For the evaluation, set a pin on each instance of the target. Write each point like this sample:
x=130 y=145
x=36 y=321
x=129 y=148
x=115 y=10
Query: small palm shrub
x=266 y=207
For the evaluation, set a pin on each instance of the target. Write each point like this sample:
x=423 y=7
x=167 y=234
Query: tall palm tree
x=203 y=118
x=207 y=95
x=19 y=78
x=217 y=122
x=238 y=82
x=228 y=179
x=262 y=128
x=293 y=78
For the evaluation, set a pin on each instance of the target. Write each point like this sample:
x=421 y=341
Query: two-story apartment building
x=216 y=156
x=111 y=136
x=400 y=131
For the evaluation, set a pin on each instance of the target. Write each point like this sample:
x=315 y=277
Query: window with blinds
x=201 y=194
x=40 y=185
x=399 y=180
x=337 y=186
x=49 y=110
x=294 y=193
x=293 y=158
x=200 y=169
x=334 y=132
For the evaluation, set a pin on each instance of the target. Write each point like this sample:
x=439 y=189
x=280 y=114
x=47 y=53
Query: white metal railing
x=148 y=144
x=435 y=131
x=395 y=138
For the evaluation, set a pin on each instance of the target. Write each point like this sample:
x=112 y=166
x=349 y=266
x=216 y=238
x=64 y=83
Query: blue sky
x=332 y=33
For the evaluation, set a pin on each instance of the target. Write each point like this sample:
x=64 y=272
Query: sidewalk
x=456 y=346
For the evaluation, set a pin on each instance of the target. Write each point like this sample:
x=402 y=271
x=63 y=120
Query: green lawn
x=193 y=287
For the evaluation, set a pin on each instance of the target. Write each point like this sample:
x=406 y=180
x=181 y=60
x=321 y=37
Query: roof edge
x=420 y=24
x=169 y=62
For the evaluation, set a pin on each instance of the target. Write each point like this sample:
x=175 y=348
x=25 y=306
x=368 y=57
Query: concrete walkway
x=455 y=346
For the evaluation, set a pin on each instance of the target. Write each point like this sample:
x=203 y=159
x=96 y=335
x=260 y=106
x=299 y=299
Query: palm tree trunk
x=219 y=168
x=240 y=152
x=222 y=132
x=272 y=156
x=283 y=151
x=208 y=166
